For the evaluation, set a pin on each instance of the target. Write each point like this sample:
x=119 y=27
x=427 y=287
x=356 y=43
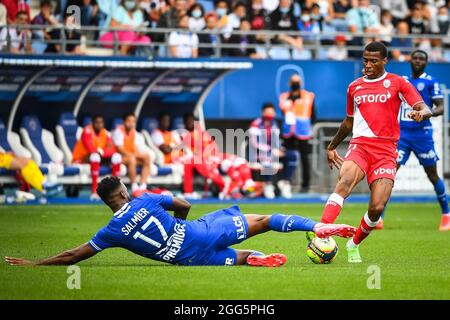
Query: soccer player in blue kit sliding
x=144 y=227
x=418 y=136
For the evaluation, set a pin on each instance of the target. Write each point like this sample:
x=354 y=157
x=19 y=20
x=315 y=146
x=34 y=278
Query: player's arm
x=67 y=257
x=413 y=98
x=334 y=159
x=438 y=108
x=180 y=208
x=420 y=112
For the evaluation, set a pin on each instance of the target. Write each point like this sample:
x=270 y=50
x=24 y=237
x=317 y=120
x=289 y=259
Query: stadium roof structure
x=49 y=86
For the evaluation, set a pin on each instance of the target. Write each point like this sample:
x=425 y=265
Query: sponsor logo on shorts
x=381 y=171
x=229 y=261
x=429 y=155
x=240 y=225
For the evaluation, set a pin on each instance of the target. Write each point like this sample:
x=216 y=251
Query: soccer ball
x=322 y=250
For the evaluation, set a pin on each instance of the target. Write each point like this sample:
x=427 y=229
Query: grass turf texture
x=413 y=257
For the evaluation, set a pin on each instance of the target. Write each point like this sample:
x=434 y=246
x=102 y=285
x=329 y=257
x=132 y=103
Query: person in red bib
x=130 y=145
x=96 y=147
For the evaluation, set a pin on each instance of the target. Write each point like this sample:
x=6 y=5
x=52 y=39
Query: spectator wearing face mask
x=297 y=106
x=221 y=8
x=264 y=146
x=196 y=19
x=443 y=20
x=130 y=17
x=307 y=24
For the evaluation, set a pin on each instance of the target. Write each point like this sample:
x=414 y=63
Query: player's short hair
x=127 y=115
x=377 y=46
x=96 y=116
x=187 y=116
x=107 y=186
x=162 y=115
x=268 y=105
x=45 y=3
x=420 y=51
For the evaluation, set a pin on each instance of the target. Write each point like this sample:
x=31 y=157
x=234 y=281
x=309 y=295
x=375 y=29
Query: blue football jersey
x=429 y=89
x=144 y=227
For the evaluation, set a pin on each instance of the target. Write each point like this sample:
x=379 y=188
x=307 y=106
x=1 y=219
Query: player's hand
x=416 y=115
x=18 y=262
x=334 y=159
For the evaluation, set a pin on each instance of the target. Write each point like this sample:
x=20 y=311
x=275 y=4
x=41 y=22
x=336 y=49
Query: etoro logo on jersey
x=372 y=98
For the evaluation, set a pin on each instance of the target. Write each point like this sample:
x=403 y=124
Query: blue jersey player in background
x=144 y=227
x=417 y=137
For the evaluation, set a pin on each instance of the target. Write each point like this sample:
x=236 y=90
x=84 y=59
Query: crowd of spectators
x=336 y=20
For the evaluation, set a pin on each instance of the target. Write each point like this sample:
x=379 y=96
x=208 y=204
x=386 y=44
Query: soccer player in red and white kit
x=373 y=105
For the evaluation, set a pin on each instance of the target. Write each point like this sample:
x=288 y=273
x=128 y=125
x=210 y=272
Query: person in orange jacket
x=96 y=147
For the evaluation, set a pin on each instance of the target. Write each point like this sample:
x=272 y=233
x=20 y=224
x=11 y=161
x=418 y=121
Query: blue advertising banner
x=242 y=93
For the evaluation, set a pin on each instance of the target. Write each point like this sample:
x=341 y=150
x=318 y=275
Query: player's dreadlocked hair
x=106 y=187
x=376 y=46
x=420 y=51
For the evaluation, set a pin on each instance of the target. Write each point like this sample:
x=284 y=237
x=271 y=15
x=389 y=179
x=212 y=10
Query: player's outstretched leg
x=379 y=196
x=259 y=259
x=441 y=194
x=287 y=223
x=350 y=175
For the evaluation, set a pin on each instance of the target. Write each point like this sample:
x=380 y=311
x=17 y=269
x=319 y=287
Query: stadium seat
x=10 y=142
x=86 y=121
x=115 y=123
x=67 y=134
x=280 y=53
x=178 y=123
x=4 y=144
x=44 y=151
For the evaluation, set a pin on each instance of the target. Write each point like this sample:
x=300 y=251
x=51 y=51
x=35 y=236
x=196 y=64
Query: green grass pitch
x=412 y=255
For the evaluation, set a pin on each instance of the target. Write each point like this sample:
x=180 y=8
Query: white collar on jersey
x=375 y=80
x=423 y=75
x=122 y=210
